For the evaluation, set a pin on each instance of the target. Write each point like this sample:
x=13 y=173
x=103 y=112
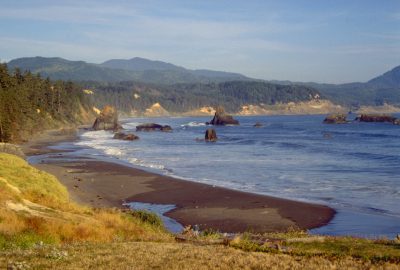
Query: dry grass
x=149 y=255
x=42 y=229
x=35 y=207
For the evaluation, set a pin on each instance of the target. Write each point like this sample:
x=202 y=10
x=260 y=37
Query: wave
x=194 y=124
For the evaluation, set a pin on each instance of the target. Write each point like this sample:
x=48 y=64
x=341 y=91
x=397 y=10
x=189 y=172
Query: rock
x=11 y=149
x=222 y=119
x=376 y=118
x=166 y=128
x=258 y=124
x=211 y=135
x=397 y=122
x=125 y=137
x=107 y=120
x=336 y=119
x=153 y=127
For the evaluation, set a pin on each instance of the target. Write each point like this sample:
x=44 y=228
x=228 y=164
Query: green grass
x=35 y=207
x=35 y=185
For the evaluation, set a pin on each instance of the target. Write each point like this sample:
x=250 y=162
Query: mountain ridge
x=379 y=90
x=138 y=69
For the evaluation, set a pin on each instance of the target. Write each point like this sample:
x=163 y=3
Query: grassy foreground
x=40 y=228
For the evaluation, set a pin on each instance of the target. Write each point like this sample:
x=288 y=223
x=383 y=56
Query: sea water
x=353 y=168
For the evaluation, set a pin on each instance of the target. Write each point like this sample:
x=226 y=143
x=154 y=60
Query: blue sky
x=315 y=40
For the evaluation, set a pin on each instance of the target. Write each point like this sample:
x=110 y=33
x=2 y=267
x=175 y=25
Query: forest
x=29 y=103
x=134 y=96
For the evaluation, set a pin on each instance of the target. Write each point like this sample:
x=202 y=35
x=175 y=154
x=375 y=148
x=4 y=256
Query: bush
x=148 y=217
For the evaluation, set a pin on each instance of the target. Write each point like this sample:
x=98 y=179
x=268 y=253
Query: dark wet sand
x=106 y=184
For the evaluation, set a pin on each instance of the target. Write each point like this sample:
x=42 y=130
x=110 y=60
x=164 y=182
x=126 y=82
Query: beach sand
x=106 y=184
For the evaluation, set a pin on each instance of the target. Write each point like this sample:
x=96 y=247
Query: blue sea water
x=354 y=168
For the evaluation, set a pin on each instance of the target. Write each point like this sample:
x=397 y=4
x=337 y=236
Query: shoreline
x=107 y=184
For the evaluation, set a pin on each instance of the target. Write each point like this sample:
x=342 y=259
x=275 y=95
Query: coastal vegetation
x=35 y=208
x=29 y=103
x=180 y=98
x=182 y=89
x=41 y=228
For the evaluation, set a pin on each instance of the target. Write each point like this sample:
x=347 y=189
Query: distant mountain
x=59 y=68
x=145 y=65
x=137 y=69
x=390 y=79
x=140 y=64
x=377 y=91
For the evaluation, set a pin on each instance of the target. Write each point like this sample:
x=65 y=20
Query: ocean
x=353 y=168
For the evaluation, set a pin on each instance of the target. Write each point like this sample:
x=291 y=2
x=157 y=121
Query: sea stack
x=222 y=119
x=376 y=118
x=337 y=118
x=153 y=127
x=107 y=120
x=125 y=137
x=211 y=135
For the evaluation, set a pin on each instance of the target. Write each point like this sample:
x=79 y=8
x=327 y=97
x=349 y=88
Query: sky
x=331 y=41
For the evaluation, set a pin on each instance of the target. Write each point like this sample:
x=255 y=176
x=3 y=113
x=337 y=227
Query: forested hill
x=29 y=104
x=377 y=91
x=135 y=69
x=131 y=96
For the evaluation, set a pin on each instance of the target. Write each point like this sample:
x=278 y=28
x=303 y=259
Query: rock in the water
x=107 y=120
x=336 y=119
x=153 y=127
x=211 y=135
x=397 y=122
x=376 y=118
x=125 y=137
x=11 y=149
x=166 y=128
x=222 y=119
x=258 y=124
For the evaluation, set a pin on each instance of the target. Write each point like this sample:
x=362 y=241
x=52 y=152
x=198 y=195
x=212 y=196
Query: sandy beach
x=106 y=184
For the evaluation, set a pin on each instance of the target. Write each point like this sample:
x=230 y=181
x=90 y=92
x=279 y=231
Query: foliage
x=29 y=104
x=148 y=217
x=133 y=96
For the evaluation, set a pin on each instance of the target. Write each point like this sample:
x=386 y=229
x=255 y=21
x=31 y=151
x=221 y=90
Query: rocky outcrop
x=222 y=119
x=315 y=106
x=125 y=137
x=336 y=119
x=376 y=118
x=153 y=127
x=156 y=110
x=384 y=109
x=397 y=121
x=203 y=111
x=11 y=149
x=211 y=135
x=107 y=120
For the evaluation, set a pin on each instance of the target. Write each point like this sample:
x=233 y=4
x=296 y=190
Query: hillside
x=60 y=69
x=40 y=228
x=390 y=79
x=160 y=75
x=140 y=64
x=131 y=97
x=29 y=104
x=376 y=92
x=138 y=69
